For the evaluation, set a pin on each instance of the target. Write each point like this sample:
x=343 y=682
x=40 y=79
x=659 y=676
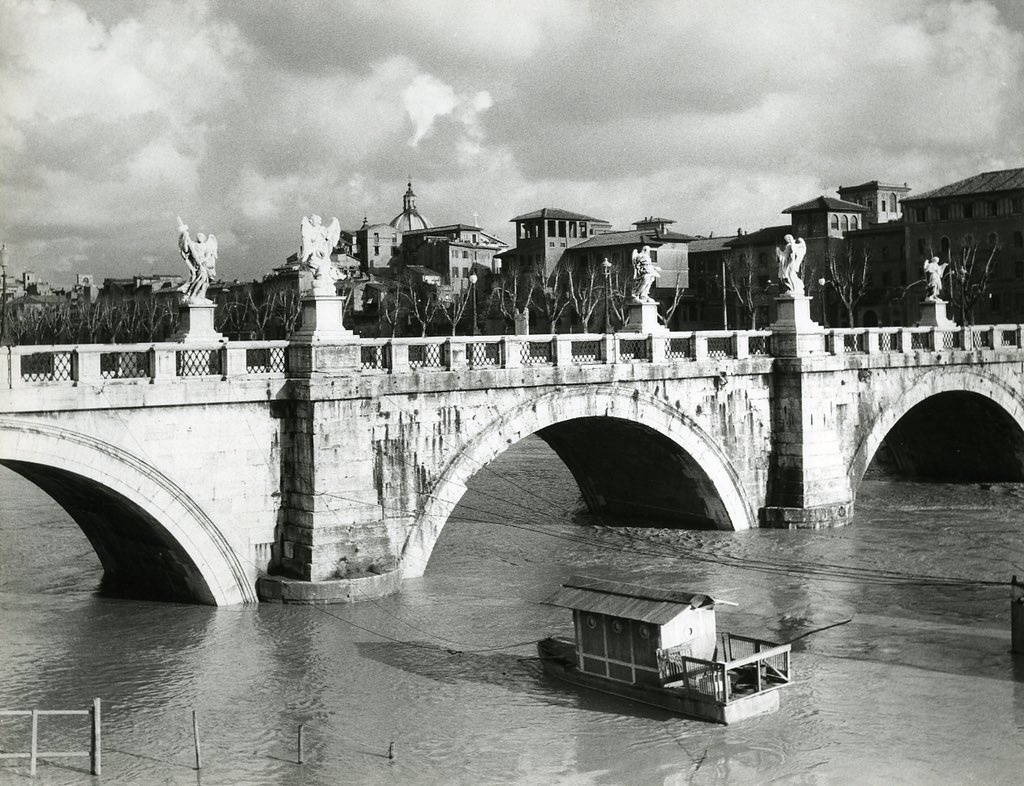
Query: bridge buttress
x=808 y=485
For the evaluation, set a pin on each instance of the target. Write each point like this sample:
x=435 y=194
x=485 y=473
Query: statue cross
x=476 y=217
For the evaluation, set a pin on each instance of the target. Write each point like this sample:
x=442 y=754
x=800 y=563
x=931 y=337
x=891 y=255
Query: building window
x=583 y=229
x=561 y=229
x=455 y=273
x=551 y=243
x=993 y=207
x=1018 y=239
x=474 y=238
x=835 y=221
x=943 y=212
x=968 y=210
x=871 y=204
x=551 y=227
x=465 y=254
x=376 y=237
x=920 y=214
x=1015 y=204
x=376 y=251
x=892 y=203
x=853 y=222
x=846 y=223
x=944 y=245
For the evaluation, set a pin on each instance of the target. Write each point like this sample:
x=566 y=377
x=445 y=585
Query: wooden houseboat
x=661 y=647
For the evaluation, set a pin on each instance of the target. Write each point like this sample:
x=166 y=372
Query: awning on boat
x=629 y=601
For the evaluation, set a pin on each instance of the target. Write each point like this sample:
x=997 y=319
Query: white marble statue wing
x=308 y=239
x=799 y=250
x=211 y=254
x=333 y=234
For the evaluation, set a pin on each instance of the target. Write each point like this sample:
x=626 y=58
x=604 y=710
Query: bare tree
x=552 y=298
x=848 y=273
x=453 y=307
x=969 y=277
x=513 y=291
x=584 y=292
x=742 y=278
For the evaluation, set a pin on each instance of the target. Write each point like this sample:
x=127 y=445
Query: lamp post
x=606 y=266
x=472 y=283
x=824 y=306
x=3 y=294
x=725 y=307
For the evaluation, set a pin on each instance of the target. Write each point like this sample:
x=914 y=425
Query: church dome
x=410 y=218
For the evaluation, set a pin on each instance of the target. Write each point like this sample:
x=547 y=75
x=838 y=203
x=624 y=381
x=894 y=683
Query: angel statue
x=318 y=241
x=201 y=257
x=790 y=258
x=933 y=282
x=644 y=274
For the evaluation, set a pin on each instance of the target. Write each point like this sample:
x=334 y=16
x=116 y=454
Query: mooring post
x=195 y=736
x=35 y=743
x=95 y=747
x=391 y=752
x=1016 y=617
x=300 y=743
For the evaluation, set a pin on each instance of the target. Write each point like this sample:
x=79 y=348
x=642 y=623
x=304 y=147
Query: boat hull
x=558 y=660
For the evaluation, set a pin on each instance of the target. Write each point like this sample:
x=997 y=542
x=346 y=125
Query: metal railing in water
x=742 y=666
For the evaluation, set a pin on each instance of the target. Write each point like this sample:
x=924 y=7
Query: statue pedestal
x=794 y=333
x=322 y=345
x=195 y=323
x=933 y=314
x=322 y=320
x=642 y=318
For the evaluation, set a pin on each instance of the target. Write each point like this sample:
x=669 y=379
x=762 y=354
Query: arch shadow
x=582 y=427
x=950 y=424
x=152 y=539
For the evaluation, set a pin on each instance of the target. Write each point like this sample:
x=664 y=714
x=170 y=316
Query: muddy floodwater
x=919 y=687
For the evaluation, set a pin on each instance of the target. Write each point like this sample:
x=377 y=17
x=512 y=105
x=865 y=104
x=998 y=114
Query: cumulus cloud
x=245 y=116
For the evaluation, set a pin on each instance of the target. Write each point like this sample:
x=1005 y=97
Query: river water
x=919 y=687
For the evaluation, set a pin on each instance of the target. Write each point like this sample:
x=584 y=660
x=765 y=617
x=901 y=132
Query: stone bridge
x=227 y=472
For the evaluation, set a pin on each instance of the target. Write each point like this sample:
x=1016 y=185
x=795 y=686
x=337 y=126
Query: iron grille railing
x=197 y=362
x=951 y=340
x=266 y=360
x=46 y=367
x=919 y=341
x=719 y=347
x=426 y=356
x=853 y=342
x=373 y=358
x=1008 y=338
x=586 y=351
x=124 y=365
x=982 y=338
x=889 y=341
x=759 y=345
x=483 y=353
x=536 y=353
x=679 y=348
x=634 y=349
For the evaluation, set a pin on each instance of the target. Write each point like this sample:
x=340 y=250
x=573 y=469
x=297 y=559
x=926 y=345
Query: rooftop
x=632 y=237
x=555 y=212
x=875 y=184
x=986 y=182
x=630 y=601
x=705 y=244
x=762 y=237
x=827 y=203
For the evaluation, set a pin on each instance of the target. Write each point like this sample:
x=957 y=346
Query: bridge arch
x=663 y=426
x=985 y=404
x=151 y=537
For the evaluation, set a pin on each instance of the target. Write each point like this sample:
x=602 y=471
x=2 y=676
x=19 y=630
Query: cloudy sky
x=242 y=117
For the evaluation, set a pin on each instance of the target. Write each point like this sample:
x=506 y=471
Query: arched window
x=835 y=221
x=892 y=203
x=853 y=222
x=944 y=245
x=846 y=223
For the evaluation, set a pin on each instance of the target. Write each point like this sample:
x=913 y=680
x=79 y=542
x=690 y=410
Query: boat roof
x=629 y=601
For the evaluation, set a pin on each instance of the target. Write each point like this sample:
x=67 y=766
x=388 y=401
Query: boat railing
x=743 y=666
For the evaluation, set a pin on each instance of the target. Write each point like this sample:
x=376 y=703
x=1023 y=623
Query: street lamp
x=824 y=306
x=472 y=283
x=606 y=266
x=3 y=293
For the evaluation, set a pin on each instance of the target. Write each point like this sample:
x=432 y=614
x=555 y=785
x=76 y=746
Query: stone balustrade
x=157 y=362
